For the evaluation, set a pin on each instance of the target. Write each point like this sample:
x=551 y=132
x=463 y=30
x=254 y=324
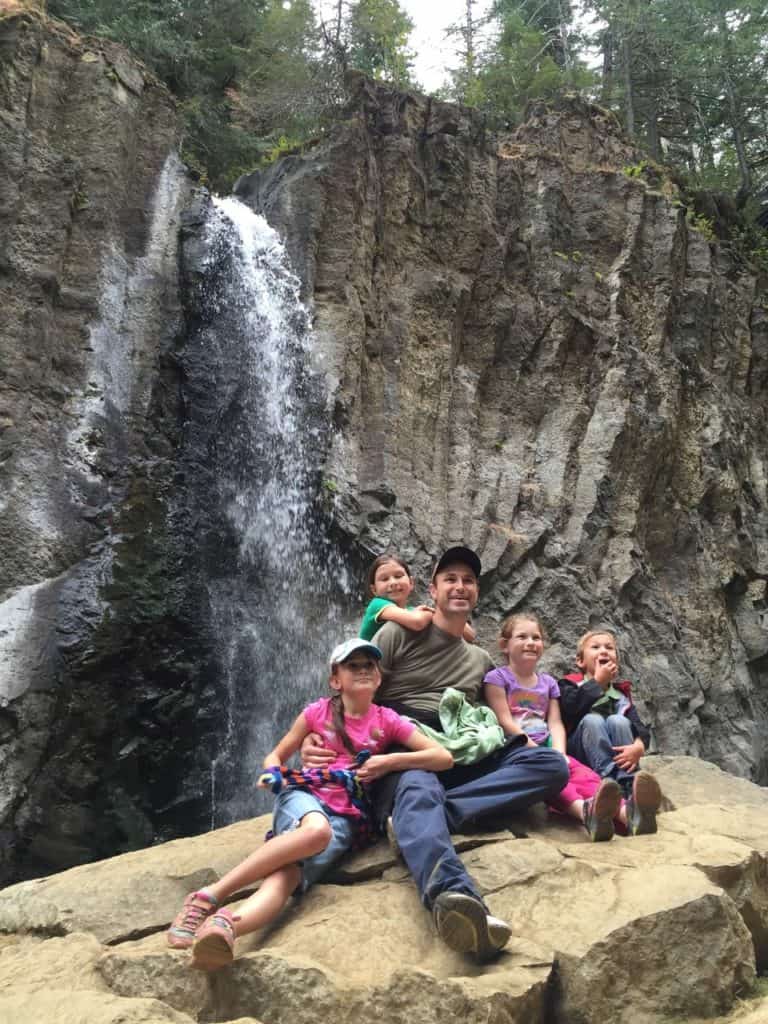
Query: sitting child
x=315 y=820
x=604 y=729
x=527 y=701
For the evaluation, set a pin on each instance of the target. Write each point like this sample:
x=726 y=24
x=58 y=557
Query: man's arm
x=389 y=640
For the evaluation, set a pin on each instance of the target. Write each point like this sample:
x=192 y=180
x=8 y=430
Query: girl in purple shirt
x=526 y=701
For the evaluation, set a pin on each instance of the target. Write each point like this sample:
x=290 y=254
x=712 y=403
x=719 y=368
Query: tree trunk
x=629 y=95
x=734 y=118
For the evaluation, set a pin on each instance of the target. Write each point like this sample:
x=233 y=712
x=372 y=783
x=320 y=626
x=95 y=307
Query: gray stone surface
x=90 y=198
x=532 y=352
x=648 y=930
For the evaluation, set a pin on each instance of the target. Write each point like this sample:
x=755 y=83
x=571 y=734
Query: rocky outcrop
x=654 y=929
x=533 y=351
x=98 y=681
x=525 y=348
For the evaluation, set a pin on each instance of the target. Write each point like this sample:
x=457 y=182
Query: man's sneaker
x=464 y=925
x=643 y=805
x=214 y=944
x=197 y=906
x=389 y=828
x=600 y=810
x=499 y=931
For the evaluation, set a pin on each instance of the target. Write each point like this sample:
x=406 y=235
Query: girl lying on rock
x=319 y=814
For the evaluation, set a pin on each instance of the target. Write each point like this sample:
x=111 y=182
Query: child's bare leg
x=311 y=837
x=214 y=944
x=266 y=904
x=575 y=810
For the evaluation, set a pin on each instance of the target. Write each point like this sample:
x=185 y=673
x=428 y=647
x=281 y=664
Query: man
x=416 y=669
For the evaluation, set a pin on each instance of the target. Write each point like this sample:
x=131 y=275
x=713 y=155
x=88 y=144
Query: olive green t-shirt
x=417 y=666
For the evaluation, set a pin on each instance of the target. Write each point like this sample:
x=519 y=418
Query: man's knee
x=417 y=789
x=418 y=781
x=553 y=763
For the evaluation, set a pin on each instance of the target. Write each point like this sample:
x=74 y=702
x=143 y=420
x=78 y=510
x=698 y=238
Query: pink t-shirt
x=376 y=731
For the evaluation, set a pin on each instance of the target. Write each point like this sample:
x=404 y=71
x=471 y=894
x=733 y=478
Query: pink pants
x=581 y=785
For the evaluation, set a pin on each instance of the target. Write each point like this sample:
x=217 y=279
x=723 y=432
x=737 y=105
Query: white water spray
x=274 y=618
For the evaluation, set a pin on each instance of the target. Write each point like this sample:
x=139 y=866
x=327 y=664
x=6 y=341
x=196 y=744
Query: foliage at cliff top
x=253 y=76
x=258 y=76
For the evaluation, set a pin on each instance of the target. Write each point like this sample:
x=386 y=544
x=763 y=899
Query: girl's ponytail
x=337 y=717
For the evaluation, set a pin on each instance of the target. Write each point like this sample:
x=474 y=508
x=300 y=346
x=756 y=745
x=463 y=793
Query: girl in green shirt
x=389 y=585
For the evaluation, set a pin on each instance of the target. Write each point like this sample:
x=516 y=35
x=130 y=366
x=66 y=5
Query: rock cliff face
x=524 y=348
x=98 y=680
x=652 y=930
x=532 y=351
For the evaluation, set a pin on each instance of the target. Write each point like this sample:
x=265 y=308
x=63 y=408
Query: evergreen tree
x=378 y=40
x=466 y=85
x=534 y=54
x=689 y=78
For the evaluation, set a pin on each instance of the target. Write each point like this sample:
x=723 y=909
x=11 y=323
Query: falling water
x=273 y=611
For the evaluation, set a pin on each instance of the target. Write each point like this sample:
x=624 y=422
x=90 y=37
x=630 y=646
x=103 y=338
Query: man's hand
x=314 y=753
x=605 y=673
x=628 y=757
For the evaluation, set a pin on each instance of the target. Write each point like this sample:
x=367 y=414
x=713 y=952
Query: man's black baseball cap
x=464 y=555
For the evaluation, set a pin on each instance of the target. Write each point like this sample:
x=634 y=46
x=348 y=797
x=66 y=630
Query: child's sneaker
x=197 y=906
x=643 y=805
x=600 y=810
x=214 y=944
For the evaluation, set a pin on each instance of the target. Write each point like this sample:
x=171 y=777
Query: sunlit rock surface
x=659 y=928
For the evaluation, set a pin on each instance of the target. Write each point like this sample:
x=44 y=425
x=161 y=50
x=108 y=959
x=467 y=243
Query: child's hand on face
x=605 y=672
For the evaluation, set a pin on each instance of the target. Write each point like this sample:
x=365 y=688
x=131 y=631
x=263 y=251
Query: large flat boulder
x=131 y=895
x=660 y=928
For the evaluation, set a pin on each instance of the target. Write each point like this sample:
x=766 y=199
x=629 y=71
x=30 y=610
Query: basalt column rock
x=534 y=352
x=98 y=691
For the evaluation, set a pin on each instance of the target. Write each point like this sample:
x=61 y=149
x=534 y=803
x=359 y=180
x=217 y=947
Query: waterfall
x=275 y=585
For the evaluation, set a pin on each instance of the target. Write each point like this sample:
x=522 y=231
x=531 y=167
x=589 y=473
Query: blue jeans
x=429 y=807
x=592 y=743
x=290 y=807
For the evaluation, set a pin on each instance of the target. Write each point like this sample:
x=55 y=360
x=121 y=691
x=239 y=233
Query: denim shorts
x=290 y=807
